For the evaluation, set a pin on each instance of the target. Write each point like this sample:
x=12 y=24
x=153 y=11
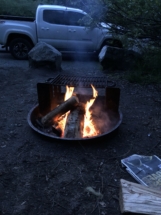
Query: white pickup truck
x=67 y=29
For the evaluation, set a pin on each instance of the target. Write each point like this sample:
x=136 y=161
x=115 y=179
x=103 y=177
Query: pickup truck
x=67 y=29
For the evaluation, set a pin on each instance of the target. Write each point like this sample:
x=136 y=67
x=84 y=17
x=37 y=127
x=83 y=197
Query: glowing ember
x=62 y=120
x=89 y=128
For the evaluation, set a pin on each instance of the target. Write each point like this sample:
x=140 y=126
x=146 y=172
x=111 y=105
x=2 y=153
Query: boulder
x=119 y=58
x=43 y=54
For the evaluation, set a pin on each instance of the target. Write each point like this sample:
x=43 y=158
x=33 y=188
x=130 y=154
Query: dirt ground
x=41 y=176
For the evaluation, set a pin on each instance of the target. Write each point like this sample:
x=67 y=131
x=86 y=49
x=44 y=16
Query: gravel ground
x=40 y=176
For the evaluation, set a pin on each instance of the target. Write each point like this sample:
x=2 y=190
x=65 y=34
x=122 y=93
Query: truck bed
x=18 y=18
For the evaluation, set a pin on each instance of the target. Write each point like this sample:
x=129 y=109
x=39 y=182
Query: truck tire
x=19 y=48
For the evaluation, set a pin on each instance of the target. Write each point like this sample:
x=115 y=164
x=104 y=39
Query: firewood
x=63 y=108
x=74 y=124
x=137 y=198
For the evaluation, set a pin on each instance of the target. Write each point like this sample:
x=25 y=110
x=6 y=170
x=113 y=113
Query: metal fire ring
x=32 y=115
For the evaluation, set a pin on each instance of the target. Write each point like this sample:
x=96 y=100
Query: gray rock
x=119 y=59
x=43 y=54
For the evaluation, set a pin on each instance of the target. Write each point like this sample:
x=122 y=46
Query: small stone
x=149 y=135
x=23 y=203
x=15 y=168
x=20 y=110
x=103 y=204
x=101 y=163
x=3 y=146
x=146 y=123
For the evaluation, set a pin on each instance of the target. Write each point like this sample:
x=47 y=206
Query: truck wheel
x=19 y=48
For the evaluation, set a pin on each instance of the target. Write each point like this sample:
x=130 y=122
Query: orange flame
x=89 y=128
x=62 y=120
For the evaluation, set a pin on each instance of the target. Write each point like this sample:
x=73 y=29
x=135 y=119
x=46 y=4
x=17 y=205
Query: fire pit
x=76 y=108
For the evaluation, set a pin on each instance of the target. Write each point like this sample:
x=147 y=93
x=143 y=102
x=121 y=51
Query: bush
x=149 y=71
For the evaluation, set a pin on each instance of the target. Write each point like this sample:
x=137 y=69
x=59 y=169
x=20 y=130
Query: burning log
x=74 y=124
x=63 y=108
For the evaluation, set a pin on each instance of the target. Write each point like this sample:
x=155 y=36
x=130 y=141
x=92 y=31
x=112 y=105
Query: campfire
x=71 y=104
x=75 y=113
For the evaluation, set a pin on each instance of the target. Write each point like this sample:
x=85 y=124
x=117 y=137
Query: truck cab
x=67 y=29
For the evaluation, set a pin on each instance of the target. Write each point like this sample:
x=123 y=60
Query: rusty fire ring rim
x=72 y=139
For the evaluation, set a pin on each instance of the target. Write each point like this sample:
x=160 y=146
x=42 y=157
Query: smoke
x=101 y=119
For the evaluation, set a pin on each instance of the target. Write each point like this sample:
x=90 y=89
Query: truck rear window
x=54 y=16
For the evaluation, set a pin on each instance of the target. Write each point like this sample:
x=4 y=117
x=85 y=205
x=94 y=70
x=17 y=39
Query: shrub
x=20 y=7
x=149 y=71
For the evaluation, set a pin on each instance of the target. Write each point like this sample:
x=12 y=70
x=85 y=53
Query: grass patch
x=149 y=71
x=143 y=78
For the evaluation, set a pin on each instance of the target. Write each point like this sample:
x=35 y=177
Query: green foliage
x=140 y=77
x=141 y=19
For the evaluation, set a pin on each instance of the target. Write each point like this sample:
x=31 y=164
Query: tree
x=139 y=19
x=136 y=19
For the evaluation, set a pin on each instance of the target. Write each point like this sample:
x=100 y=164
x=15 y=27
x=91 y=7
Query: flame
x=89 y=128
x=62 y=120
x=69 y=92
